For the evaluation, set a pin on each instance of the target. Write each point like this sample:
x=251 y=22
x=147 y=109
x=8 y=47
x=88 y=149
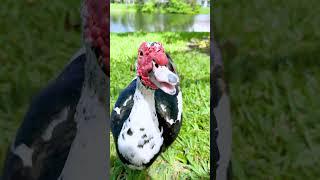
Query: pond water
x=131 y=22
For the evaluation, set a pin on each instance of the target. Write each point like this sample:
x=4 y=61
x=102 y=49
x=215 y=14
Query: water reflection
x=130 y=22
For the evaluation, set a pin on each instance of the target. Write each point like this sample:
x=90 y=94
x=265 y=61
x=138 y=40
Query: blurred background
x=37 y=39
x=271 y=57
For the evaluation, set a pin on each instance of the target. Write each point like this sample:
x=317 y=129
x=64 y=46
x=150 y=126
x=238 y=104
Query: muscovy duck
x=63 y=134
x=147 y=116
x=221 y=130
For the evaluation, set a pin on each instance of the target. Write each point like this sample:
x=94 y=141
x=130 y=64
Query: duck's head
x=96 y=31
x=154 y=68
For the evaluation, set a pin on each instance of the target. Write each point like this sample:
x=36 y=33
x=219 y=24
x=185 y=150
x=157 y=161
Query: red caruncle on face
x=148 y=54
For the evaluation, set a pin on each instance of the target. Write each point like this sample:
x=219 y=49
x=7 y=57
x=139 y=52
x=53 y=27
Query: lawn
x=271 y=57
x=188 y=157
x=115 y=7
x=204 y=10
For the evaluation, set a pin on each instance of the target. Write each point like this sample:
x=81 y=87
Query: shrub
x=173 y=6
x=149 y=7
x=180 y=6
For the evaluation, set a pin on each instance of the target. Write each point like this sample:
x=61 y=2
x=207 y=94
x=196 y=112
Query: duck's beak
x=164 y=79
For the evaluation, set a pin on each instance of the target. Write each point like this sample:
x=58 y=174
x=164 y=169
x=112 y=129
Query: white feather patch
x=163 y=107
x=117 y=109
x=179 y=98
x=24 y=153
x=129 y=98
x=170 y=121
x=62 y=116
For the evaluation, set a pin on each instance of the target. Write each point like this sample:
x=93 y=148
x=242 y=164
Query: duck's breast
x=140 y=138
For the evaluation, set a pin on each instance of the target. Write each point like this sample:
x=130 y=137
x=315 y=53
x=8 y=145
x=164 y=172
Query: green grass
x=204 y=10
x=188 y=156
x=115 y=7
x=271 y=51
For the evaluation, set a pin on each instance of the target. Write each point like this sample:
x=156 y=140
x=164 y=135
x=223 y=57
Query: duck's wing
x=44 y=138
x=122 y=108
x=169 y=110
x=169 y=114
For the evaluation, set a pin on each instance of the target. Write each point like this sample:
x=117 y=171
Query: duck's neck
x=95 y=79
x=146 y=92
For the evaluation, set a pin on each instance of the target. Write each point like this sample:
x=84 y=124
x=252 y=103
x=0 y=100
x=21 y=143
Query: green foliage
x=115 y=7
x=173 y=6
x=181 y=7
x=149 y=7
x=188 y=157
x=204 y=10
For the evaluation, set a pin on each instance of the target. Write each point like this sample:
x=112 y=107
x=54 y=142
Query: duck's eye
x=155 y=64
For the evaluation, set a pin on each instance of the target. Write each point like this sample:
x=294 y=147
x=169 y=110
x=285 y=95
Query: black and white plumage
x=64 y=126
x=66 y=123
x=145 y=121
